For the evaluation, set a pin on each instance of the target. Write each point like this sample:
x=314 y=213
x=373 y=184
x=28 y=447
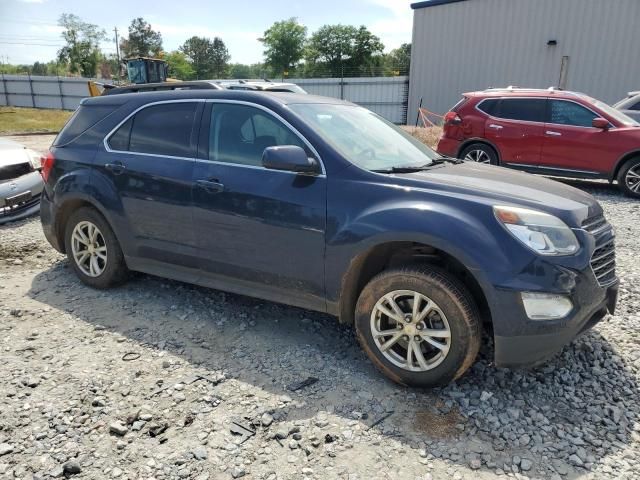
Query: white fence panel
x=386 y=96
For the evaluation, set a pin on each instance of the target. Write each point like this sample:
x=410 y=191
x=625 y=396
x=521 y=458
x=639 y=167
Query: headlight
x=541 y=232
x=34 y=159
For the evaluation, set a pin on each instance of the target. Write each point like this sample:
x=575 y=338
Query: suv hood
x=497 y=185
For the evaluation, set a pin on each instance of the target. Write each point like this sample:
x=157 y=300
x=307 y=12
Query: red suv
x=551 y=132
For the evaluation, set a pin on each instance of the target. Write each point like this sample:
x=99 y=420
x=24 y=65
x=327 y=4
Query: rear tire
x=480 y=153
x=447 y=336
x=93 y=249
x=629 y=178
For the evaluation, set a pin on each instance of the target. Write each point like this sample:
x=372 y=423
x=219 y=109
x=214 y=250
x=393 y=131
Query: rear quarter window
x=85 y=117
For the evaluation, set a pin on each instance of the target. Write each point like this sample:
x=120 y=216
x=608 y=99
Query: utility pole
x=115 y=29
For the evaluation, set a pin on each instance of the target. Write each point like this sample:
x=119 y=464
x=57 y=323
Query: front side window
x=569 y=113
x=364 y=138
x=163 y=129
x=239 y=134
x=523 y=109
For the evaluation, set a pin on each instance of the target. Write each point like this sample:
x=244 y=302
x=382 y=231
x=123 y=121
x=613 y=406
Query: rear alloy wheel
x=479 y=153
x=629 y=178
x=93 y=250
x=419 y=326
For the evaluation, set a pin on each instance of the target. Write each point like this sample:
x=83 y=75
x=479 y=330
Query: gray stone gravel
x=198 y=360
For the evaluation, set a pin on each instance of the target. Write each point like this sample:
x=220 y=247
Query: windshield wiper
x=419 y=168
x=403 y=169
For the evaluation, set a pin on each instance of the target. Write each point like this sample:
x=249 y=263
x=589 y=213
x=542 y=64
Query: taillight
x=452 y=118
x=46 y=161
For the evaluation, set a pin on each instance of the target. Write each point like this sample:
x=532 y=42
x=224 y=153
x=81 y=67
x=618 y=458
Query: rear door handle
x=211 y=185
x=116 y=167
x=496 y=127
x=553 y=134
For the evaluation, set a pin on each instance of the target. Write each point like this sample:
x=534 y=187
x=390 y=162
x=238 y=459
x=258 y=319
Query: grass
x=428 y=136
x=28 y=120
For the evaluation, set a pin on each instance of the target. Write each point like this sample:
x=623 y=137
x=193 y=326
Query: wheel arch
x=621 y=161
x=392 y=254
x=66 y=208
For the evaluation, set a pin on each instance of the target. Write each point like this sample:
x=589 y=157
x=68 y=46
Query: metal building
x=465 y=45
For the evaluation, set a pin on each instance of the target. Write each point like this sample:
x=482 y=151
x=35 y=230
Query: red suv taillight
x=46 y=161
x=452 y=118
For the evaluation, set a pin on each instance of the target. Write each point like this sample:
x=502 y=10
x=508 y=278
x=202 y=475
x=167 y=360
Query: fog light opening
x=546 y=306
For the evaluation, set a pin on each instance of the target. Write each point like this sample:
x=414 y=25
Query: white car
x=630 y=106
x=20 y=181
x=264 y=86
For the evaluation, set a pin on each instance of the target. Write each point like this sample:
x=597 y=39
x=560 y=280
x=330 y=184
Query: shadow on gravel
x=564 y=416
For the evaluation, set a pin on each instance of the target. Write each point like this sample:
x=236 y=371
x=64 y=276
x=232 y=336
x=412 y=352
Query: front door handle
x=116 y=167
x=496 y=127
x=553 y=134
x=212 y=185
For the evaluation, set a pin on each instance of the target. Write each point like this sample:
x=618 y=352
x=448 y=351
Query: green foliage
x=82 y=52
x=399 y=59
x=142 y=40
x=209 y=58
x=284 y=45
x=343 y=48
x=219 y=58
x=179 y=66
x=39 y=69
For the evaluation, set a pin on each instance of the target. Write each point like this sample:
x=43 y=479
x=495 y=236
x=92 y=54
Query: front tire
x=629 y=178
x=93 y=249
x=419 y=326
x=479 y=153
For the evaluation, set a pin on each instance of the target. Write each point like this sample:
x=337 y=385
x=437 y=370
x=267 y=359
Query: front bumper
x=20 y=197
x=541 y=340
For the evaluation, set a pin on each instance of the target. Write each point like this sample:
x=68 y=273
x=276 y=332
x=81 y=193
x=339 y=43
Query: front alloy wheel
x=419 y=325
x=410 y=330
x=632 y=179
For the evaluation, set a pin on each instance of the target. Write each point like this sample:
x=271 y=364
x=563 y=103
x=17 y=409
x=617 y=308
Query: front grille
x=15 y=209
x=595 y=224
x=603 y=260
x=9 y=172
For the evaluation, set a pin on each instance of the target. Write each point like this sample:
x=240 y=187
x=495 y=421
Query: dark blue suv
x=321 y=204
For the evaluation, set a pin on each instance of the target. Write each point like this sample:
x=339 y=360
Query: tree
x=284 y=44
x=209 y=58
x=344 y=49
x=143 y=41
x=179 y=66
x=399 y=59
x=39 y=69
x=81 y=52
x=220 y=58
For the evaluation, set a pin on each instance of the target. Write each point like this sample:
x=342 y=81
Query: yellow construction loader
x=140 y=71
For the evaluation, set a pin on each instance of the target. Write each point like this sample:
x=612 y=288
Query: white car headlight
x=541 y=232
x=34 y=158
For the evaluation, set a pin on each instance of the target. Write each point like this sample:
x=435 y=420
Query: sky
x=29 y=31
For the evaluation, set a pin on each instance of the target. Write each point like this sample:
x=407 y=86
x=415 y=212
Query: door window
x=524 y=109
x=240 y=134
x=569 y=113
x=163 y=129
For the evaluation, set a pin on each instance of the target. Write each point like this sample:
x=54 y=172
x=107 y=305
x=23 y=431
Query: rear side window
x=160 y=129
x=524 y=109
x=569 y=113
x=635 y=106
x=82 y=120
x=489 y=106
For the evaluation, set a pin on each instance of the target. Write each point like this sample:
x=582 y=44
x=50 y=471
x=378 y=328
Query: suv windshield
x=364 y=138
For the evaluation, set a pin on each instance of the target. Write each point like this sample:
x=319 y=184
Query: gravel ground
x=146 y=381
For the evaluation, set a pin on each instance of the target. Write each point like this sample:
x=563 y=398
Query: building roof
x=433 y=3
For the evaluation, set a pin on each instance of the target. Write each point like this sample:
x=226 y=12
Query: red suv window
x=523 y=109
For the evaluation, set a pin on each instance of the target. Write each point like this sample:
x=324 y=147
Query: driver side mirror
x=601 y=123
x=290 y=158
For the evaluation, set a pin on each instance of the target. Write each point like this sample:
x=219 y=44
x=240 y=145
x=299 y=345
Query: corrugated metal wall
x=475 y=44
x=387 y=96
